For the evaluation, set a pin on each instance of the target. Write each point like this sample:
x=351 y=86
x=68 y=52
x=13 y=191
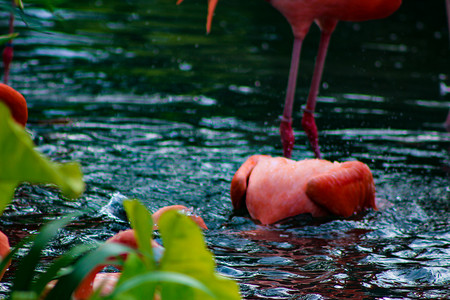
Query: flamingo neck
x=86 y=287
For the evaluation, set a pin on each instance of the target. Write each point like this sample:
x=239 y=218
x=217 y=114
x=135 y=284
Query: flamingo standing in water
x=301 y=14
x=272 y=189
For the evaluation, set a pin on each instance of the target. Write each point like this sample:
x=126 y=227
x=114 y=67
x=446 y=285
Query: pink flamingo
x=276 y=188
x=273 y=189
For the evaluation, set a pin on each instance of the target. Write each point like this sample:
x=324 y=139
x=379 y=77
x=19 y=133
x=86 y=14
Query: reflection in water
x=156 y=110
x=294 y=265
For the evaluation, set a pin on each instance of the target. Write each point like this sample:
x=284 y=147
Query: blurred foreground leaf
x=142 y=223
x=20 y=162
x=7 y=37
x=186 y=253
x=186 y=271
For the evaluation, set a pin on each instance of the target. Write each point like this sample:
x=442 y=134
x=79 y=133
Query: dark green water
x=156 y=109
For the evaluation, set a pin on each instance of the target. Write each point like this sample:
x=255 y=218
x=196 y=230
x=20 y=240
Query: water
x=155 y=109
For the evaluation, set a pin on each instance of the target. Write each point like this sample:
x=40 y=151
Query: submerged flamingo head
x=182 y=209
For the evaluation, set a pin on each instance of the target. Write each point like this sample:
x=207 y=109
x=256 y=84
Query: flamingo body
x=16 y=103
x=302 y=13
x=276 y=188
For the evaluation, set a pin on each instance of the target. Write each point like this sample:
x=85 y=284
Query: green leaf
x=157 y=277
x=7 y=37
x=142 y=223
x=59 y=264
x=19 y=3
x=19 y=295
x=22 y=163
x=186 y=253
x=132 y=268
x=6 y=193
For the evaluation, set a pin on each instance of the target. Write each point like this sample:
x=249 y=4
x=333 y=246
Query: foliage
x=186 y=270
x=70 y=267
x=7 y=37
x=16 y=8
x=22 y=163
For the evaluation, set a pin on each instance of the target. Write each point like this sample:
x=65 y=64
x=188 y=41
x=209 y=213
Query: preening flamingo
x=301 y=14
x=276 y=188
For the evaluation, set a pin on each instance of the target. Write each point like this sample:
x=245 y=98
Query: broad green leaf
x=132 y=268
x=186 y=253
x=22 y=163
x=6 y=193
x=157 y=277
x=142 y=223
x=19 y=295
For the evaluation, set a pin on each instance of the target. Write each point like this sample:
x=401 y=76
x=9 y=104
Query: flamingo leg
x=286 y=132
x=308 y=120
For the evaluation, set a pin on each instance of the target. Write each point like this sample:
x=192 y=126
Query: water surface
x=155 y=109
